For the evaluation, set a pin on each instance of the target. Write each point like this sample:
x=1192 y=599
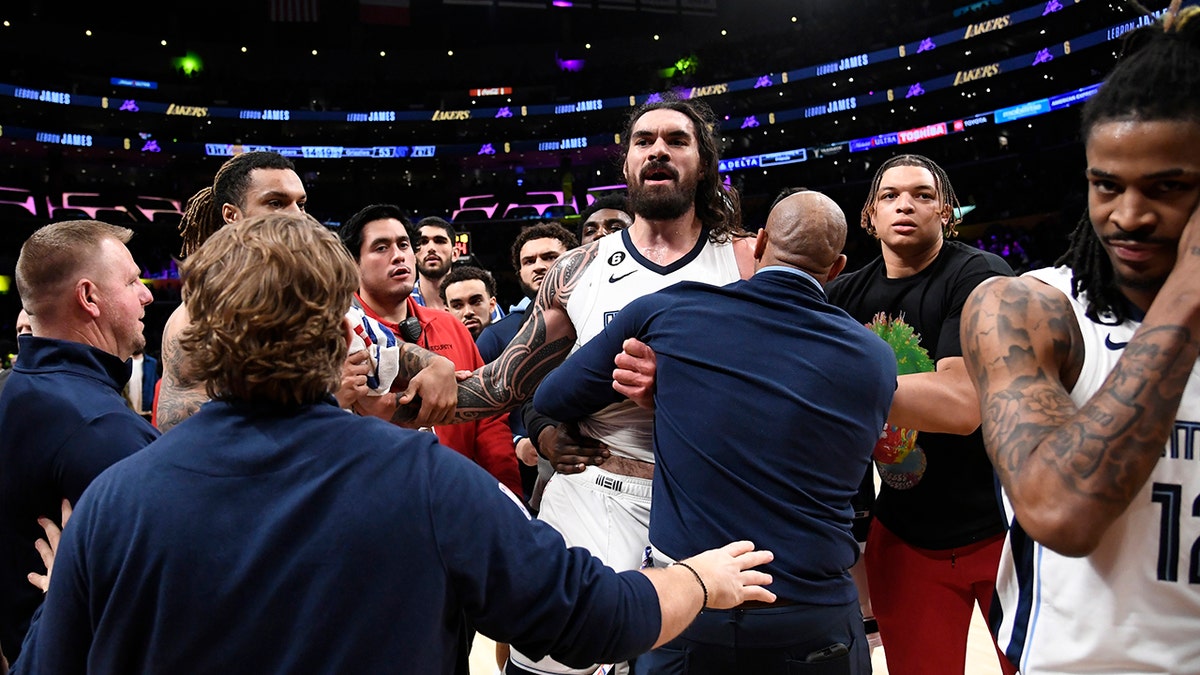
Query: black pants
x=790 y=640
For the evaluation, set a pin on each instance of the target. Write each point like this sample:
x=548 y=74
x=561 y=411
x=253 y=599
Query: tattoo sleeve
x=1023 y=349
x=180 y=395
x=542 y=343
x=413 y=359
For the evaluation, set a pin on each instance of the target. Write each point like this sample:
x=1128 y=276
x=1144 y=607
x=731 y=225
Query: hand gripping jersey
x=617 y=276
x=1133 y=605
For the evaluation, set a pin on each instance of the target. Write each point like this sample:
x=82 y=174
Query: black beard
x=661 y=204
x=432 y=274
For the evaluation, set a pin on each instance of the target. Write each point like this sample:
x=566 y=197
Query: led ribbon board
x=503 y=112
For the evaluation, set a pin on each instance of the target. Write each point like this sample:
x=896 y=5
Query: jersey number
x=1171 y=498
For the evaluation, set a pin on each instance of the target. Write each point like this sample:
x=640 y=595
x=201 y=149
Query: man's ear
x=838 y=265
x=760 y=244
x=85 y=295
x=230 y=213
x=347 y=330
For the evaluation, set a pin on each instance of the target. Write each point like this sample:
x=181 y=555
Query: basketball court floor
x=981 y=656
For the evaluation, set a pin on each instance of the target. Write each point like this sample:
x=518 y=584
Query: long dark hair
x=717 y=206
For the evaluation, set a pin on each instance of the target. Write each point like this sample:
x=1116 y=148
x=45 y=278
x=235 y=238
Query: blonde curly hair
x=267 y=297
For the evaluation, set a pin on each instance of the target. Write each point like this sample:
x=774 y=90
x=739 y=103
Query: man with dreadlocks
x=936 y=531
x=685 y=228
x=1090 y=391
x=256 y=184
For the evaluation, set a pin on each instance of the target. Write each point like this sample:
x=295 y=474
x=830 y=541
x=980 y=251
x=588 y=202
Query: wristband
x=698 y=580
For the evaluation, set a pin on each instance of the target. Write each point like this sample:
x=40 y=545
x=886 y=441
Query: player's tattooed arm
x=541 y=345
x=427 y=398
x=1069 y=471
x=180 y=394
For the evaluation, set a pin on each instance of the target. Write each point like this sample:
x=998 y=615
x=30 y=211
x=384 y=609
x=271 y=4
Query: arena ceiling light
x=190 y=63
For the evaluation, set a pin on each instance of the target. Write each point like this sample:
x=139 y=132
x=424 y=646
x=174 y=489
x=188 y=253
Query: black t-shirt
x=955 y=500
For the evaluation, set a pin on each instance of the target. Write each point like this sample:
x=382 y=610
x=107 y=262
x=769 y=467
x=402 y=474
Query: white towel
x=382 y=349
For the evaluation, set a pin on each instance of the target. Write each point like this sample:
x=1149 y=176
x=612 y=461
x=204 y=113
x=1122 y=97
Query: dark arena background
x=498 y=113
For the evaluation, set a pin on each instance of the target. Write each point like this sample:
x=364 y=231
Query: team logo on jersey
x=616 y=258
x=608 y=317
x=1115 y=346
x=613 y=278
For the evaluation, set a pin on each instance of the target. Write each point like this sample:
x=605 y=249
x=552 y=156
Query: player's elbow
x=1072 y=544
x=1060 y=531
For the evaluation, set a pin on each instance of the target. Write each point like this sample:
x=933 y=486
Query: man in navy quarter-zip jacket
x=769 y=439
x=63 y=419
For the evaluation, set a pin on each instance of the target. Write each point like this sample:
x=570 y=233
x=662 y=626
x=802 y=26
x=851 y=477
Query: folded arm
x=1070 y=471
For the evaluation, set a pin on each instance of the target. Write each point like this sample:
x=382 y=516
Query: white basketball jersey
x=1133 y=605
x=617 y=276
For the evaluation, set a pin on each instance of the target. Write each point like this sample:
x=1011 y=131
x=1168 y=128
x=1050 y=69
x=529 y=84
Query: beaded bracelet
x=698 y=579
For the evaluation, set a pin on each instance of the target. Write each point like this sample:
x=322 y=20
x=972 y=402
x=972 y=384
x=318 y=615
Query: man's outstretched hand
x=48 y=547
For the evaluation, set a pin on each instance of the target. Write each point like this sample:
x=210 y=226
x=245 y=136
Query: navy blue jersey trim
x=1023 y=550
x=660 y=269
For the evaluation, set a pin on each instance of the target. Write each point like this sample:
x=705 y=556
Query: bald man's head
x=806 y=230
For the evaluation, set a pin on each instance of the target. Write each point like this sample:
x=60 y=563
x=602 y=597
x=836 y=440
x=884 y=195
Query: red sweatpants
x=923 y=600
